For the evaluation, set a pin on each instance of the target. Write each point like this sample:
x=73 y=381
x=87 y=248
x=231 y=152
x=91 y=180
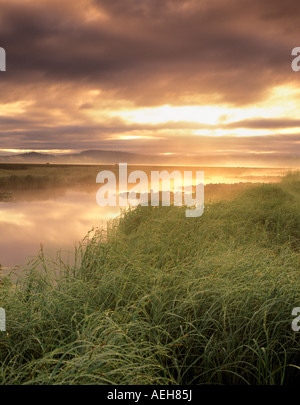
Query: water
x=59 y=221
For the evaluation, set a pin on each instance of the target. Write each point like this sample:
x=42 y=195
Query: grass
x=164 y=299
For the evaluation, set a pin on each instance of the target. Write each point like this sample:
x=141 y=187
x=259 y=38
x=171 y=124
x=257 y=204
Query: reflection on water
x=54 y=223
x=59 y=219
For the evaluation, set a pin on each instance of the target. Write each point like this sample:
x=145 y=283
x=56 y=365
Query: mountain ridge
x=99 y=156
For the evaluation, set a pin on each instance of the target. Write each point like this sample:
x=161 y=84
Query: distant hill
x=88 y=156
x=114 y=157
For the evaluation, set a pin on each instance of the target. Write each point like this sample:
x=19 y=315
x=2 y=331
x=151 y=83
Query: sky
x=150 y=76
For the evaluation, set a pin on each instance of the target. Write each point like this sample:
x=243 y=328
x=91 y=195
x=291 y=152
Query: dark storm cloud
x=146 y=53
x=149 y=50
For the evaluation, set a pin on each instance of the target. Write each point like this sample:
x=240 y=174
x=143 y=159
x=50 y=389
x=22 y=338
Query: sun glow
x=283 y=102
x=157 y=115
x=18 y=107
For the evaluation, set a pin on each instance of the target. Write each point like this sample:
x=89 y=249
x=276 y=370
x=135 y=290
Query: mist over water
x=58 y=219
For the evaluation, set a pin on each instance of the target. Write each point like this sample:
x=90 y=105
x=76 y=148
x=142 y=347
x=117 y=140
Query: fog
x=59 y=218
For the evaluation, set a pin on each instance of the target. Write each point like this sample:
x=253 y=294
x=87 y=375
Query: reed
x=159 y=298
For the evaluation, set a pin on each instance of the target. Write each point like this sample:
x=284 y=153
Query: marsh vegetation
x=159 y=298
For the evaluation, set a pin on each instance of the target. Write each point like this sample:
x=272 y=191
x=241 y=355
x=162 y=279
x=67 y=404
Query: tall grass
x=164 y=299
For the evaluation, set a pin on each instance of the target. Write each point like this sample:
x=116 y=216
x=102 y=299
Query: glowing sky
x=150 y=76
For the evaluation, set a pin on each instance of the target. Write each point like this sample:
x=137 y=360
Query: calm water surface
x=57 y=224
x=61 y=222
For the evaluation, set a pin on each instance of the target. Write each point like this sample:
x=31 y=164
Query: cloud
x=148 y=50
x=138 y=53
